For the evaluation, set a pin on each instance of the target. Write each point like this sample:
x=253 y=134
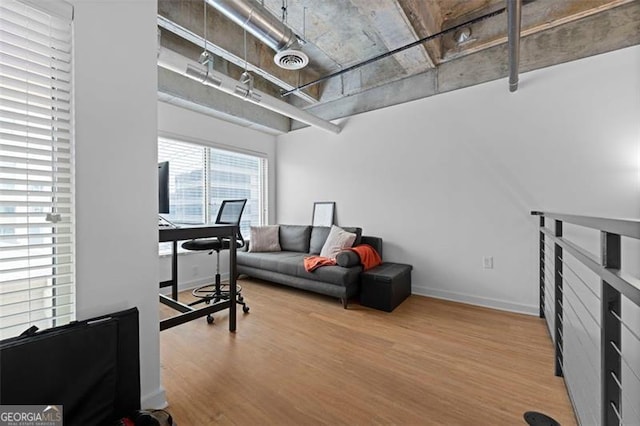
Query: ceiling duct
x=257 y=20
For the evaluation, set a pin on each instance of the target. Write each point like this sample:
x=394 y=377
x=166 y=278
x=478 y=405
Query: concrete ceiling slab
x=342 y=33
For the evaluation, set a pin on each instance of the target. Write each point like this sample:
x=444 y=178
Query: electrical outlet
x=487 y=262
x=194 y=271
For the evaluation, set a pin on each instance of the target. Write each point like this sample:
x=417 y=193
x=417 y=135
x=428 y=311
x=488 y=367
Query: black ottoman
x=386 y=286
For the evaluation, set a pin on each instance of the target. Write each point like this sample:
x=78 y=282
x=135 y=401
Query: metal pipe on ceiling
x=514 y=19
x=257 y=20
x=452 y=29
x=175 y=62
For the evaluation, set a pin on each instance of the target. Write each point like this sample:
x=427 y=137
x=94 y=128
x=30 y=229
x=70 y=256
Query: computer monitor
x=163 y=187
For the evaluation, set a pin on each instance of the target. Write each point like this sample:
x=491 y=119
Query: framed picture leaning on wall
x=323 y=213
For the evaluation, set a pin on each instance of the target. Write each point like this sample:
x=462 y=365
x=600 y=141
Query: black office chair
x=229 y=213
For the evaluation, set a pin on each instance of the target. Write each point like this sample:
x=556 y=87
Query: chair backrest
x=230 y=213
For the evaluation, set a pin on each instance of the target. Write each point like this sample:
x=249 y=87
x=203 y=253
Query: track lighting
x=202 y=76
x=246 y=91
x=175 y=62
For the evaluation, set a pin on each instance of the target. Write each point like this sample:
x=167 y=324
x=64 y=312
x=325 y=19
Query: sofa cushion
x=319 y=235
x=333 y=274
x=285 y=262
x=295 y=238
x=264 y=238
x=338 y=240
x=271 y=261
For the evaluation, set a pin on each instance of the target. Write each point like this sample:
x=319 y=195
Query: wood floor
x=301 y=359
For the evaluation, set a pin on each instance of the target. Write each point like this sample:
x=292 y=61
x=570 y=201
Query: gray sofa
x=287 y=267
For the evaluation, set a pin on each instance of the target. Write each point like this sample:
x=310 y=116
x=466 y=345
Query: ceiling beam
x=395 y=30
x=179 y=90
x=537 y=16
x=400 y=91
x=425 y=21
x=192 y=51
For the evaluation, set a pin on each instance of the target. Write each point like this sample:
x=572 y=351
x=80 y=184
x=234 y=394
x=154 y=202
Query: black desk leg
x=232 y=284
x=174 y=271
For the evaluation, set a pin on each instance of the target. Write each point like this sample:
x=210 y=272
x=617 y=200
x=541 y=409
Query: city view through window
x=200 y=178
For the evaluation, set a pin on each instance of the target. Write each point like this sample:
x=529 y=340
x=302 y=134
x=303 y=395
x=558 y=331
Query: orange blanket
x=311 y=263
x=369 y=257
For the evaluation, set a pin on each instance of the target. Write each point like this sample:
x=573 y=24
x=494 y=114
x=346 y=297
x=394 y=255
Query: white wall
x=198 y=268
x=449 y=179
x=116 y=169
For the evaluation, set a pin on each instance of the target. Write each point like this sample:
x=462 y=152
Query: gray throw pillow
x=347 y=259
x=319 y=235
x=295 y=238
x=264 y=238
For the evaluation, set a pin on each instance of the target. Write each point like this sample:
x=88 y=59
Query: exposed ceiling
x=344 y=34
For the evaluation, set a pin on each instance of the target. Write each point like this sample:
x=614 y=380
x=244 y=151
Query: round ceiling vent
x=291 y=59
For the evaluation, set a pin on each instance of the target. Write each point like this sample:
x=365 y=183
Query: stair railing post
x=559 y=316
x=610 y=343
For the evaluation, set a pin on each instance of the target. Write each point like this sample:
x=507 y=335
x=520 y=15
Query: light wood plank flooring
x=301 y=359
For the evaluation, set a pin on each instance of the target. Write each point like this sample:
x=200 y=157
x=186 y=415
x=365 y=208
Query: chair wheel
x=245 y=309
x=209 y=319
x=240 y=298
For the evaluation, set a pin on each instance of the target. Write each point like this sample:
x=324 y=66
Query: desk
x=189 y=313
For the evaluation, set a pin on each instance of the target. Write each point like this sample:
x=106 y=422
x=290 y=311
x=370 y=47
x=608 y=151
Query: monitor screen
x=163 y=187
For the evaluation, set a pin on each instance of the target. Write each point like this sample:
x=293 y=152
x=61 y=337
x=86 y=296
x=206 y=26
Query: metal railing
x=560 y=288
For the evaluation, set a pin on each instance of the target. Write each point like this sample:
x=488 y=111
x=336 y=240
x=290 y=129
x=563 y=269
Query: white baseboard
x=486 y=302
x=156 y=400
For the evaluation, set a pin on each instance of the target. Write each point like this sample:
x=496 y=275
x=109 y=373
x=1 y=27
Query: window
x=37 y=285
x=186 y=180
x=200 y=178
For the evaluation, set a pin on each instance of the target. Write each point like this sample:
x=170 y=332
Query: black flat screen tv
x=163 y=187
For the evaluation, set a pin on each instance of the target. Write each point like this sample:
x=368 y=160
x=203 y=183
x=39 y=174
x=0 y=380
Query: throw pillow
x=264 y=238
x=337 y=240
x=319 y=236
x=295 y=238
x=347 y=259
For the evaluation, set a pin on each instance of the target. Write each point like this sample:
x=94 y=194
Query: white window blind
x=201 y=177
x=186 y=180
x=37 y=285
x=237 y=176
